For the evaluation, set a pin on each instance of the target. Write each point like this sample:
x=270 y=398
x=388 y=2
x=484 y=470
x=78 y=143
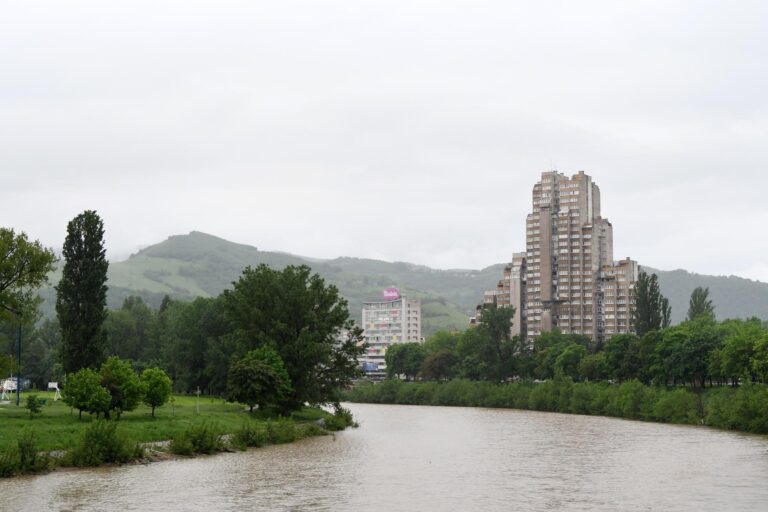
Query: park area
x=57 y=426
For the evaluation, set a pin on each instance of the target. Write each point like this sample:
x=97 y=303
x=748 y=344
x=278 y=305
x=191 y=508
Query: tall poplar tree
x=700 y=304
x=81 y=295
x=652 y=310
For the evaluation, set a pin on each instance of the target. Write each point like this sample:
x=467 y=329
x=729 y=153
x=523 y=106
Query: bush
x=250 y=435
x=678 y=406
x=33 y=406
x=9 y=462
x=281 y=431
x=29 y=461
x=200 y=438
x=102 y=443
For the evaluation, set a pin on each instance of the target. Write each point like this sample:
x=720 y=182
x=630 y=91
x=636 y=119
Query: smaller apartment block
x=386 y=323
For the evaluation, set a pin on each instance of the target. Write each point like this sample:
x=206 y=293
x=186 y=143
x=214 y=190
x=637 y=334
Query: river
x=412 y=458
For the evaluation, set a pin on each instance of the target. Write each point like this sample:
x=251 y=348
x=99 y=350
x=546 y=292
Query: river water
x=410 y=458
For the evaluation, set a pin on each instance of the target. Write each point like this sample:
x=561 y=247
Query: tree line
x=276 y=338
x=698 y=352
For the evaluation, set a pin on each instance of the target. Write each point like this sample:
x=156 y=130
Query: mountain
x=198 y=264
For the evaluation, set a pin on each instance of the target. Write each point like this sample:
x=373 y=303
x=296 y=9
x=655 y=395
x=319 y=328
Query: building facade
x=567 y=278
x=397 y=319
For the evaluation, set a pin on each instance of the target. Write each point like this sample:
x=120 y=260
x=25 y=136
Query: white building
x=395 y=320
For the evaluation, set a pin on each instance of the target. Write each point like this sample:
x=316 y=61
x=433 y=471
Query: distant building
x=397 y=319
x=567 y=278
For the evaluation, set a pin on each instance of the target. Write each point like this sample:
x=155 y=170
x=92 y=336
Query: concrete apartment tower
x=567 y=278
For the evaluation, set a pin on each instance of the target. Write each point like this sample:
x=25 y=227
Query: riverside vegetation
x=192 y=425
x=279 y=340
x=698 y=372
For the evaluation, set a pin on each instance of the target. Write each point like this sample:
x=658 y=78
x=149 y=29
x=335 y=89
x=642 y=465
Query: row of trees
x=697 y=352
x=277 y=337
x=116 y=388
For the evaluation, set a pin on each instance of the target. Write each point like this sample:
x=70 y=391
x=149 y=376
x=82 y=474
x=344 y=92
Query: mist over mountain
x=198 y=264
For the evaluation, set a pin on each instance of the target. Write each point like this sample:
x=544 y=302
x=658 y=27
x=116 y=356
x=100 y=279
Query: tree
x=486 y=352
x=128 y=331
x=404 y=359
x=157 y=388
x=305 y=321
x=83 y=391
x=652 y=310
x=438 y=365
x=81 y=295
x=258 y=378
x=569 y=360
x=700 y=304
x=123 y=385
x=622 y=357
x=24 y=267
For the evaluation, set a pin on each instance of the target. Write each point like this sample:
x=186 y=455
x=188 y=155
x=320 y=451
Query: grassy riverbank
x=193 y=425
x=744 y=408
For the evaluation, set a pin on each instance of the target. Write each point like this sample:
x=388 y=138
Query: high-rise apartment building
x=567 y=277
x=395 y=320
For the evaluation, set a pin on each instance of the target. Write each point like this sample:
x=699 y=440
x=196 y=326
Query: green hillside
x=197 y=264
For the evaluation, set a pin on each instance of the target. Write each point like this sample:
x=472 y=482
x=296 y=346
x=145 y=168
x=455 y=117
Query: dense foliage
x=24 y=267
x=81 y=295
x=258 y=378
x=744 y=408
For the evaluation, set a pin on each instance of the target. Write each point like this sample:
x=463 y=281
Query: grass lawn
x=57 y=427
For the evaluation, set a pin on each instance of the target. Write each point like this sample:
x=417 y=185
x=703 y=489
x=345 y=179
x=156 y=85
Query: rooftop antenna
x=552 y=166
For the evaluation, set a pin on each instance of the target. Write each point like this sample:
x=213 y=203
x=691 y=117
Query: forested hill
x=197 y=264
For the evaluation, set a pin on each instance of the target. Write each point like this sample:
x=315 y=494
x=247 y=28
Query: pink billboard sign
x=391 y=293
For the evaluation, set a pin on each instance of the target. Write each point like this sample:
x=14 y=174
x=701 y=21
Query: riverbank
x=57 y=437
x=744 y=408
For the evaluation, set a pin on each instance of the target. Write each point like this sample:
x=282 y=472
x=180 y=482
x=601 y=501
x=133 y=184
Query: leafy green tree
x=129 y=331
x=122 y=383
x=157 y=388
x=81 y=295
x=622 y=358
x=700 y=304
x=259 y=378
x=440 y=365
x=24 y=267
x=442 y=340
x=404 y=359
x=487 y=351
x=306 y=321
x=190 y=344
x=652 y=310
x=569 y=360
x=83 y=391
x=684 y=351
x=592 y=367
x=759 y=362
x=40 y=358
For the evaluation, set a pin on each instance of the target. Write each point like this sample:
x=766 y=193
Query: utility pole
x=18 y=373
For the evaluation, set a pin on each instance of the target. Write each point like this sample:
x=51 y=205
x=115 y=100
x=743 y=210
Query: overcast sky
x=409 y=131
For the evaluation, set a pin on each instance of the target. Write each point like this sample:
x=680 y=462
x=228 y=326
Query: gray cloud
x=397 y=130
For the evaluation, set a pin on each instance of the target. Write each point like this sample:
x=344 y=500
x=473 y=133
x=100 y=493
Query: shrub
x=203 y=438
x=29 y=461
x=250 y=435
x=281 y=431
x=678 y=406
x=9 y=462
x=102 y=443
x=33 y=406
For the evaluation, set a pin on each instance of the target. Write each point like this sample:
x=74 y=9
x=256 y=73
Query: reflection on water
x=437 y=458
